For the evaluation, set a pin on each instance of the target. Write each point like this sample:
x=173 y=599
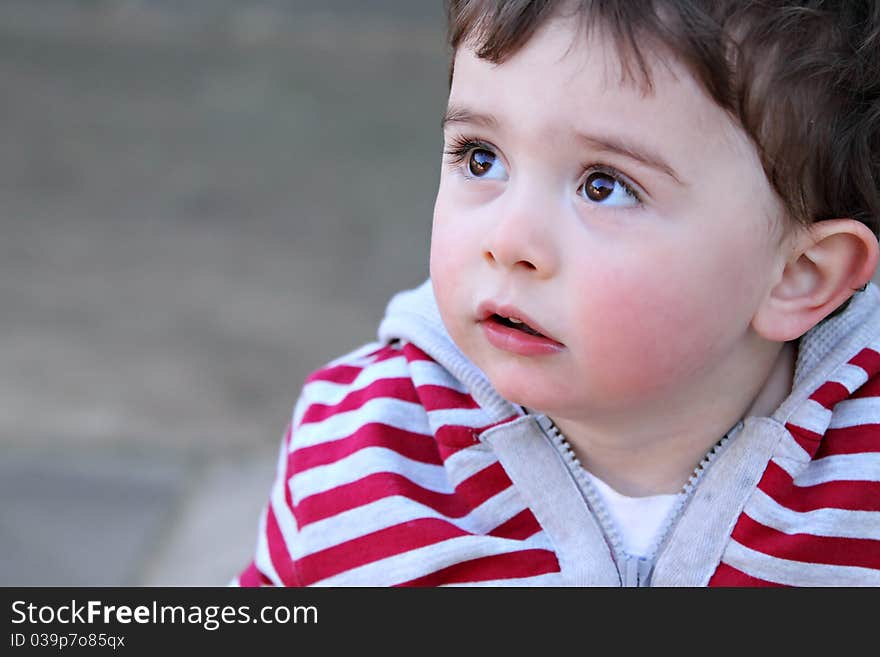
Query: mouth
x=515 y=324
x=512 y=318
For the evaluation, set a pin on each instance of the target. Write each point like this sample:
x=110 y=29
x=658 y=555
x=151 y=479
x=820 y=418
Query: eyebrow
x=605 y=143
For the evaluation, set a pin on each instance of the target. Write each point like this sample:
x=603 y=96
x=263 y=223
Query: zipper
x=665 y=534
x=633 y=570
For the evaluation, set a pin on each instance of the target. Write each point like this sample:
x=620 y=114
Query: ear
x=827 y=262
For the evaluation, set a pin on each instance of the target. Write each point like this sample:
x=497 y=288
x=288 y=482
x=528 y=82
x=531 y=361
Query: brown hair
x=801 y=78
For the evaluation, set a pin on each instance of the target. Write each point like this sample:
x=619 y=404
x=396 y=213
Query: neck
x=657 y=453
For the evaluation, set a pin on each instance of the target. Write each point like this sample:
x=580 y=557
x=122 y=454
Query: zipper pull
x=636 y=572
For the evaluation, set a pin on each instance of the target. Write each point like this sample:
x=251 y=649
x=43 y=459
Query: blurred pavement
x=201 y=201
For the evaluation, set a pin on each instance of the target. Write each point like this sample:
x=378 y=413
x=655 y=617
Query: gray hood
x=413 y=316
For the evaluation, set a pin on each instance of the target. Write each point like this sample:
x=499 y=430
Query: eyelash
x=462 y=146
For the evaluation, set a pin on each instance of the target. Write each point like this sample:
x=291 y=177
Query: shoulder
x=383 y=461
x=395 y=385
x=814 y=518
x=842 y=414
x=380 y=408
x=374 y=382
x=382 y=480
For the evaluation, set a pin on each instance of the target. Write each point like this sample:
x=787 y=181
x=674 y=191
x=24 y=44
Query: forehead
x=565 y=77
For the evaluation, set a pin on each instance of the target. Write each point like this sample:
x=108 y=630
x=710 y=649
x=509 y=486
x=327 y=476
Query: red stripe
x=862 y=552
x=435 y=398
x=394 y=388
x=374 y=546
x=868 y=360
x=457 y=437
x=453 y=438
x=413 y=353
x=510 y=565
x=519 y=527
x=829 y=393
x=371 y=488
x=857 y=439
x=346 y=372
x=335 y=374
x=446 y=452
x=482 y=485
x=848 y=495
x=868 y=390
x=416 y=446
x=472 y=492
x=278 y=552
x=251 y=576
x=808 y=440
x=388 y=352
x=727 y=575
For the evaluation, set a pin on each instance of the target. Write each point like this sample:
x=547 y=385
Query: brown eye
x=599 y=186
x=480 y=162
x=609 y=189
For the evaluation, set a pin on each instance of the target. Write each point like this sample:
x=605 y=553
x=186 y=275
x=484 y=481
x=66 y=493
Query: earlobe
x=826 y=264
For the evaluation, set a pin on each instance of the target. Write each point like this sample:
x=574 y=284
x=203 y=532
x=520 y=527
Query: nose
x=521 y=238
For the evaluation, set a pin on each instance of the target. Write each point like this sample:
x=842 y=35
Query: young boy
x=639 y=359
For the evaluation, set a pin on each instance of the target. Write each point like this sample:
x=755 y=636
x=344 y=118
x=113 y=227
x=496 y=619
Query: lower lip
x=517 y=342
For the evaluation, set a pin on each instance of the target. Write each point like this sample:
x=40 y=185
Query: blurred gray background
x=201 y=202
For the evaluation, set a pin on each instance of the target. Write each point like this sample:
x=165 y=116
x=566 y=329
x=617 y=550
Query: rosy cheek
x=443 y=253
x=640 y=336
x=448 y=273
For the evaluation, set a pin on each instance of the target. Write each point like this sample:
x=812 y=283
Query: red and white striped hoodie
x=403 y=466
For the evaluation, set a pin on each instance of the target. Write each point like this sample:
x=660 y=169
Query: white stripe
x=332 y=393
x=365 y=462
x=467 y=462
x=425 y=560
x=287 y=525
x=811 y=415
x=462 y=417
x=838 y=523
x=841 y=467
x=796 y=573
x=391 y=511
x=849 y=376
x=430 y=373
x=789 y=449
x=791 y=466
x=393 y=412
x=299 y=409
x=262 y=560
x=374 y=459
x=855 y=412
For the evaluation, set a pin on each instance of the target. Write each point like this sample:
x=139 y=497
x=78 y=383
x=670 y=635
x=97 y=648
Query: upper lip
x=489 y=308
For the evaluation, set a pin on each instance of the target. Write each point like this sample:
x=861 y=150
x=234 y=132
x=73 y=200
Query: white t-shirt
x=638 y=519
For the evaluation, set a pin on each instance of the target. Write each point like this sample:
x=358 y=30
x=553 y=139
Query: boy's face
x=639 y=231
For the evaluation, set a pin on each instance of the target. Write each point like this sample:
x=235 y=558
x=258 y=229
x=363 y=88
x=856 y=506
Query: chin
x=516 y=392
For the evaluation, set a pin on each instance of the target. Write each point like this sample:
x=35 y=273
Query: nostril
x=490 y=258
